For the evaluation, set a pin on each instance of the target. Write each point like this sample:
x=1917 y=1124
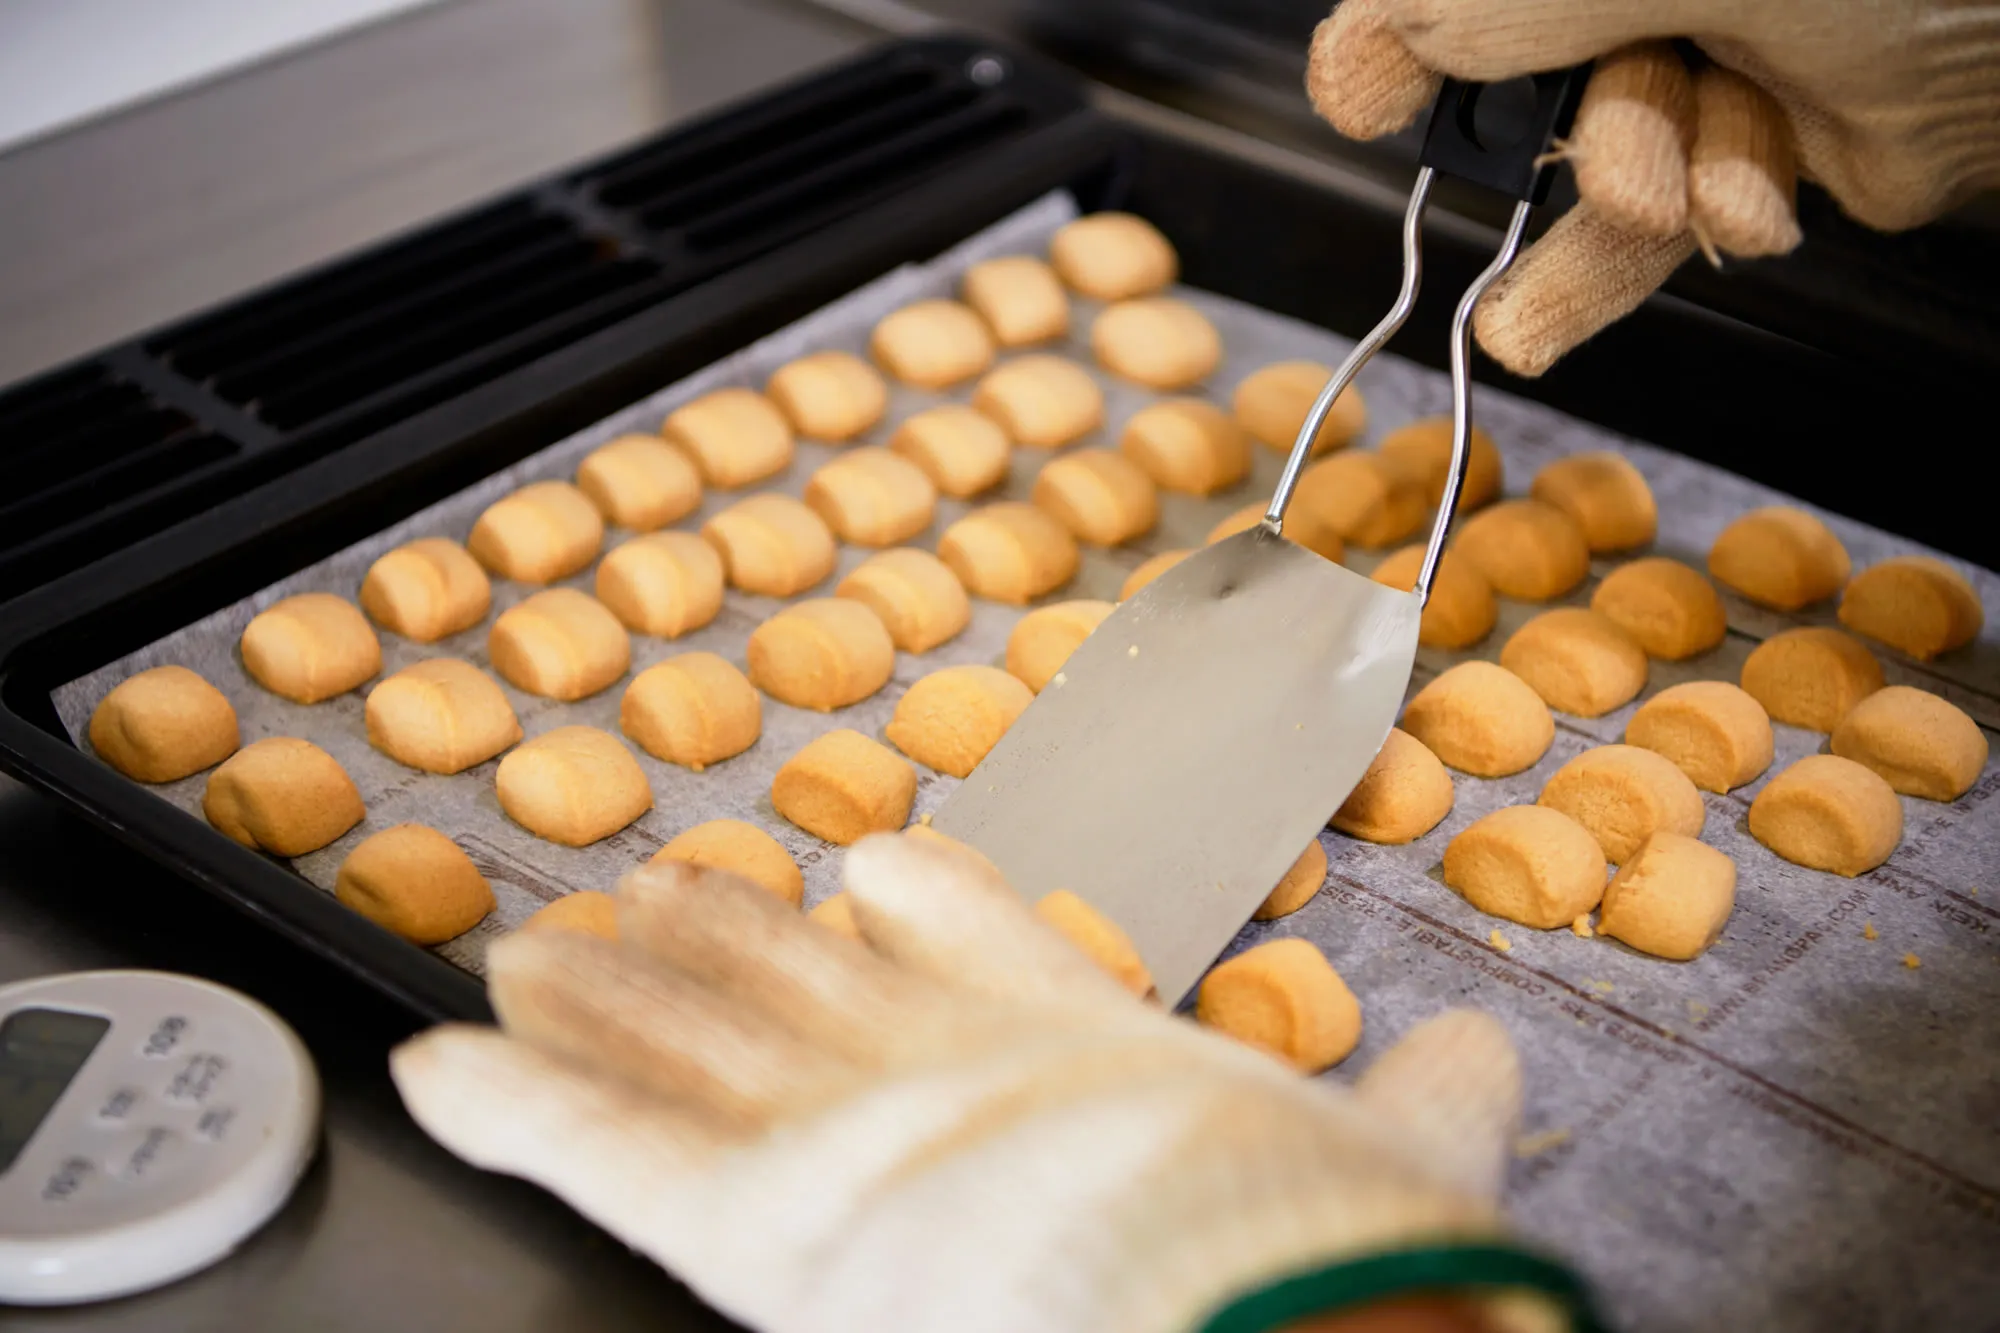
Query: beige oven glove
x=959 y=1124
x=1892 y=105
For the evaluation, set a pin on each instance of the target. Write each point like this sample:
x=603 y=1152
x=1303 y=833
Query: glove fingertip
x=1362 y=79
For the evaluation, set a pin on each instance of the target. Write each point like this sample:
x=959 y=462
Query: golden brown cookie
x=1009 y=552
x=1461 y=610
x=1404 y=794
x=1307 y=527
x=1913 y=602
x=545 y=531
x=560 y=644
x=1020 y=298
x=1297 y=888
x=414 y=882
x=1421 y=450
x=1187 y=445
x=310 y=647
x=426 y=589
x=665 y=584
x=1810 y=677
x=1624 y=795
x=1527 y=549
x=1481 y=719
x=1113 y=256
x=961 y=450
x=771 y=544
x=1828 y=813
x=949 y=719
x=932 y=344
x=1043 y=639
x=872 y=497
x=741 y=849
x=915 y=594
x=640 y=482
x=1528 y=864
x=1042 y=401
x=441 y=715
x=1918 y=743
x=1368 y=504
x=837 y=915
x=822 y=654
x=693 y=710
x=1605 y=495
x=1711 y=730
x=1272 y=403
x=1102 y=497
x=1579 y=661
x=1098 y=937
x=282 y=795
x=1157 y=341
x=573 y=785
x=1149 y=571
x=735 y=436
x=586 y=911
x=163 y=724
x=829 y=395
x=1779 y=557
x=1671 y=899
x=1670 y=610
x=1282 y=996
x=843 y=786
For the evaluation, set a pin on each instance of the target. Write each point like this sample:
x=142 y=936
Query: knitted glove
x=959 y=1124
x=1893 y=106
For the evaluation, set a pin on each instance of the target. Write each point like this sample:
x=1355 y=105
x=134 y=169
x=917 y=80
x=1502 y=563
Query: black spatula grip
x=1453 y=147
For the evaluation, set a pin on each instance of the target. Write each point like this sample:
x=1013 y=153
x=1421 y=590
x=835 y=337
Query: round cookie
x=1113 y=256
x=1296 y=889
x=1421 y=451
x=771 y=544
x=1779 y=557
x=1098 y=938
x=560 y=644
x=872 y=497
x=1156 y=341
x=1605 y=495
x=1579 y=661
x=1020 y=298
x=586 y=911
x=573 y=785
x=545 y=531
x=1149 y=571
x=1913 y=602
x=163 y=724
x=1043 y=639
x=694 y=710
x=1624 y=795
x=415 y=883
x=1404 y=794
x=1009 y=552
x=1671 y=899
x=1042 y=401
x=1187 y=446
x=1918 y=743
x=1481 y=719
x=821 y=654
x=1103 y=498
x=1711 y=730
x=961 y=450
x=282 y=795
x=1811 y=676
x=1461 y=610
x=843 y=786
x=1670 y=611
x=932 y=344
x=949 y=719
x=735 y=436
x=829 y=395
x=1367 y=503
x=1272 y=403
x=837 y=915
x=310 y=647
x=1527 y=549
x=1828 y=813
x=640 y=482
x=1528 y=864
x=1282 y=996
x=741 y=849
x=441 y=716
x=426 y=589
x=915 y=594
x=1305 y=526
x=665 y=584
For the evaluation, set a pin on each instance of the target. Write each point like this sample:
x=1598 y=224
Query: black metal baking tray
x=1673 y=374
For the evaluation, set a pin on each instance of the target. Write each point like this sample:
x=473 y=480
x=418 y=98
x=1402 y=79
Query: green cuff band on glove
x=1446 y=1269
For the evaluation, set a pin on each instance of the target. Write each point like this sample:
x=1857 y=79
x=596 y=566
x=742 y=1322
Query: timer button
x=117 y=1107
x=196 y=1079
x=165 y=1038
x=155 y=1151
x=214 y=1122
x=67 y=1179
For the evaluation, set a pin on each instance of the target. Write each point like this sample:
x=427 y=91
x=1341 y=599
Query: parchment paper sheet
x=1795 y=1131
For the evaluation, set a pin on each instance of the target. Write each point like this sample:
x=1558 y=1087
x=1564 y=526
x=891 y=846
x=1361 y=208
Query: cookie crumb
x=1697 y=1010
x=1499 y=941
x=1133 y=651
x=1868 y=931
x=1912 y=962
x=1534 y=1145
x=1581 y=927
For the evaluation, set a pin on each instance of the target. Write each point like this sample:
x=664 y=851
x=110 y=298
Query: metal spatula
x=1209 y=728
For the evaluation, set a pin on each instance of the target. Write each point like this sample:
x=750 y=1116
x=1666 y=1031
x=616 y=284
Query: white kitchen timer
x=148 y=1124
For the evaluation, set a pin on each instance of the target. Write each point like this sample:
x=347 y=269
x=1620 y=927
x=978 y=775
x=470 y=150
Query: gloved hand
x=1893 y=107
x=960 y=1125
